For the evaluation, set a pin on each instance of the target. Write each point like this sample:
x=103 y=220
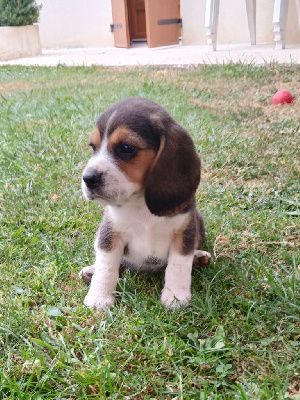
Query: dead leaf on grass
x=222 y=248
x=94 y=389
x=55 y=197
x=294 y=390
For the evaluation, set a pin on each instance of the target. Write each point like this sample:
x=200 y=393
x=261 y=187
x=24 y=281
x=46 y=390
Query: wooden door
x=120 y=26
x=137 y=19
x=162 y=21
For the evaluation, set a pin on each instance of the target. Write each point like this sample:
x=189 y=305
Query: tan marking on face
x=123 y=134
x=136 y=170
x=95 y=138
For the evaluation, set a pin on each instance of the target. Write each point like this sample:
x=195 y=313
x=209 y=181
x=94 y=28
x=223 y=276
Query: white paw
x=87 y=273
x=98 y=302
x=175 y=300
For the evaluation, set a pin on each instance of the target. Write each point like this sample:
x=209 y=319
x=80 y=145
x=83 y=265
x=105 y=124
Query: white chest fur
x=144 y=235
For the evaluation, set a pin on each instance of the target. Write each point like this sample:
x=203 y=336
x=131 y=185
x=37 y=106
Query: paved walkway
x=178 y=55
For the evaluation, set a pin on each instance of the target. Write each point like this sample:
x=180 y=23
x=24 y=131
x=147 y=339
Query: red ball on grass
x=281 y=97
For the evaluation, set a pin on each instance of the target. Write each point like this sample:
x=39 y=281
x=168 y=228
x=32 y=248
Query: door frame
x=121 y=30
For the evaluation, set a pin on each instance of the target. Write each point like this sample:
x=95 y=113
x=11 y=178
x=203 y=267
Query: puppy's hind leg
x=201 y=258
x=87 y=273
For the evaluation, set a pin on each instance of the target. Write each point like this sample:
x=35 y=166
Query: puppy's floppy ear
x=175 y=173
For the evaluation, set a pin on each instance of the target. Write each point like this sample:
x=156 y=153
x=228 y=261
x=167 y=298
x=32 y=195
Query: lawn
x=240 y=337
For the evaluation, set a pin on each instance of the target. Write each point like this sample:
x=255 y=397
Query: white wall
x=193 y=15
x=75 y=23
x=233 y=23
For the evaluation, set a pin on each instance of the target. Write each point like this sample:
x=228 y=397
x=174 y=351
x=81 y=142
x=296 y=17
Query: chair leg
x=298 y=12
x=279 y=22
x=251 y=14
x=211 y=22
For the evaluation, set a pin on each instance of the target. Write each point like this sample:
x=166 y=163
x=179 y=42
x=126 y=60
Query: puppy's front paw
x=98 y=302
x=87 y=273
x=175 y=300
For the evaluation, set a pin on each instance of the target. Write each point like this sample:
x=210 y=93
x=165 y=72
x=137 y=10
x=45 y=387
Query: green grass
x=240 y=337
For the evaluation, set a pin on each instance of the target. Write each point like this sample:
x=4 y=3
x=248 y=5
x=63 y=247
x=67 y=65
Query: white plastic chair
x=211 y=21
x=280 y=20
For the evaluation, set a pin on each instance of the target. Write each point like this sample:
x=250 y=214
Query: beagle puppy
x=145 y=170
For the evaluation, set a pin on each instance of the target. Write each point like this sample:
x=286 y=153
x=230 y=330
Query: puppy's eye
x=127 y=148
x=92 y=146
x=126 y=151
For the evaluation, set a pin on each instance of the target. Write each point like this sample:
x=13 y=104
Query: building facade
x=90 y=23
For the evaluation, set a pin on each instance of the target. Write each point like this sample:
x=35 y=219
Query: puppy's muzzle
x=93 y=180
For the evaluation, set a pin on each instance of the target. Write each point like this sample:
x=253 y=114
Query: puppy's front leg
x=109 y=251
x=104 y=280
x=178 y=277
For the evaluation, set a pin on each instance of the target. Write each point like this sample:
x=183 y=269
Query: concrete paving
x=179 y=55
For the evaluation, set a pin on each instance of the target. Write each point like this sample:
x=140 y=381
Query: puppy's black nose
x=93 y=180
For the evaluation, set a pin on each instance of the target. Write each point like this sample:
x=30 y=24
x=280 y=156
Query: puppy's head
x=139 y=150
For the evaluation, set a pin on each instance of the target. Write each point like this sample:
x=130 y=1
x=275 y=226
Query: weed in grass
x=239 y=339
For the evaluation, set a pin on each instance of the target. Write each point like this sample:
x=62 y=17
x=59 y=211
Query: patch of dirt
x=8 y=87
